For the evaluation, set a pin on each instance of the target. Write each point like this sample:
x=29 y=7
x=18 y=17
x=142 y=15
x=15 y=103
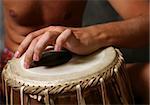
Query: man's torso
x=25 y=16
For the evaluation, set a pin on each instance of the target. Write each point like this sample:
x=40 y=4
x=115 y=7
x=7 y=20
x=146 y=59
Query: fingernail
x=35 y=57
x=57 y=48
x=17 y=54
x=26 y=65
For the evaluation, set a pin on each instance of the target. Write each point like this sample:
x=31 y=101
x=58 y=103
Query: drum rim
x=90 y=81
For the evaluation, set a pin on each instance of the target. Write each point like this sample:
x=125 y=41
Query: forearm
x=131 y=33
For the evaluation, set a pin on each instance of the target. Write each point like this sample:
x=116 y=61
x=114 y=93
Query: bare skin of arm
x=134 y=29
x=138 y=72
x=124 y=33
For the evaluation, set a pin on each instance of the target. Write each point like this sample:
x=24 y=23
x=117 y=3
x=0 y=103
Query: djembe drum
x=98 y=78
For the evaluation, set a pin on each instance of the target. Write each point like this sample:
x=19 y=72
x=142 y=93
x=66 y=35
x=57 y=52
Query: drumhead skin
x=102 y=71
x=78 y=69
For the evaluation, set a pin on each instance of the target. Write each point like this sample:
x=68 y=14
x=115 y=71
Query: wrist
x=103 y=34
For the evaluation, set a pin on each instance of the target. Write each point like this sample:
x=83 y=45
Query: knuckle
x=47 y=34
x=21 y=48
x=60 y=41
x=29 y=52
x=35 y=40
x=37 y=49
x=27 y=58
x=30 y=36
x=51 y=27
x=59 y=28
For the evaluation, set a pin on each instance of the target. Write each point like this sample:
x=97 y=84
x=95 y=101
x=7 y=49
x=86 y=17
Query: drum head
x=77 y=69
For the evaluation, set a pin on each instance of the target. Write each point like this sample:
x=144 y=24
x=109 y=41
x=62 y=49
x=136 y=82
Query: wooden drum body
x=97 y=79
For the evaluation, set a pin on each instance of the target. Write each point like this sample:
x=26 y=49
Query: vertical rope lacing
x=124 y=99
x=80 y=98
x=11 y=96
x=21 y=94
x=6 y=92
x=104 y=92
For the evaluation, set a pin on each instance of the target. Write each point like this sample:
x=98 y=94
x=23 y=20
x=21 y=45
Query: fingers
x=36 y=42
x=41 y=44
x=25 y=43
x=47 y=38
x=62 y=38
x=37 y=46
x=29 y=53
x=59 y=29
x=23 y=46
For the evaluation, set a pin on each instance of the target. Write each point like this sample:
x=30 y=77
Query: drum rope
x=51 y=101
x=104 y=92
x=28 y=100
x=11 y=96
x=38 y=90
x=3 y=85
x=116 y=90
x=80 y=98
x=124 y=99
x=47 y=99
x=87 y=82
x=90 y=82
x=124 y=75
x=21 y=95
x=6 y=92
x=128 y=84
x=33 y=96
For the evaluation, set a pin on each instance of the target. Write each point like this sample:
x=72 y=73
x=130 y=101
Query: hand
x=81 y=41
